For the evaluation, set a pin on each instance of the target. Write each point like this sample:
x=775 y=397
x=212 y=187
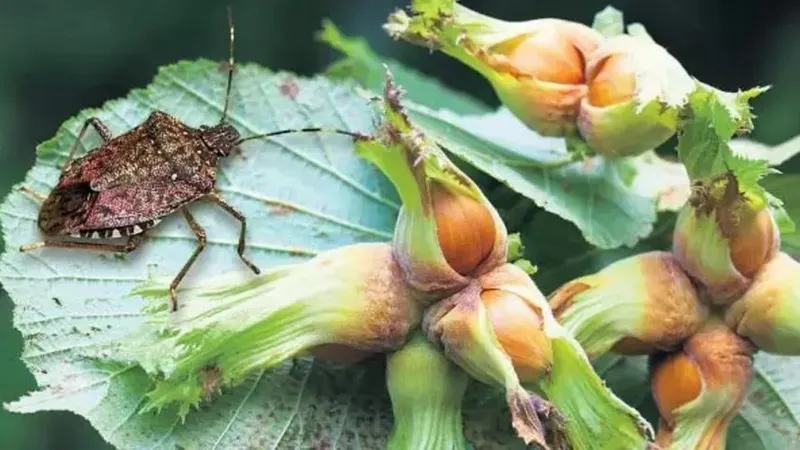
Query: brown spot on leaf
x=281 y=209
x=289 y=88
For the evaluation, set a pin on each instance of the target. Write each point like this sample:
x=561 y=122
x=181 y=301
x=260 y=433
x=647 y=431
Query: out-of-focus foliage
x=58 y=58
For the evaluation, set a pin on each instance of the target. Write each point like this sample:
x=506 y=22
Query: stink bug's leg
x=32 y=193
x=240 y=217
x=101 y=129
x=200 y=233
x=129 y=246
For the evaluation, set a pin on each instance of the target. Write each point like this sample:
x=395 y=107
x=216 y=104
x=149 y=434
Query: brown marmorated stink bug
x=124 y=187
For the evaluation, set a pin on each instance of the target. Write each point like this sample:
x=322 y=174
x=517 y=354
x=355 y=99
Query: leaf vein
x=239 y=409
x=299 y=208
x=166 y=435
x=77 y=317
x=296 y=406
x=127 y=418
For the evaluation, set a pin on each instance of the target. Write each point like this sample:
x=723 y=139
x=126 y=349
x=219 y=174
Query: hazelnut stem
x=426 y=390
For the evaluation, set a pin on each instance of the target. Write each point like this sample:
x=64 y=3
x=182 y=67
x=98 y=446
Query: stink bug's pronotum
x=125 y=186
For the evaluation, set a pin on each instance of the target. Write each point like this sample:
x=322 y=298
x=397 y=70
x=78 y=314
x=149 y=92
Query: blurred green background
x=59 y=57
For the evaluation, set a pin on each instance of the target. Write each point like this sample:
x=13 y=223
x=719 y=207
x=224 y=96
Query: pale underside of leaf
x=301 y=194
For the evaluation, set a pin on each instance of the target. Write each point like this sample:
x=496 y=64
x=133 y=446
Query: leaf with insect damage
x=302 y=194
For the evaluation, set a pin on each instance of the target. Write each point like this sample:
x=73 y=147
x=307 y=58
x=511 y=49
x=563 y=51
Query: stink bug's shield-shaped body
x=125 y=186
x=128 y=184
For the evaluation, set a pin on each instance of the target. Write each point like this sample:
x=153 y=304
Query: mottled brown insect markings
x=129 y=183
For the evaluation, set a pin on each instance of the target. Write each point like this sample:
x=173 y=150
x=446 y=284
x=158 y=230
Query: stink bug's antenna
x=352 y=134
x=230 y=67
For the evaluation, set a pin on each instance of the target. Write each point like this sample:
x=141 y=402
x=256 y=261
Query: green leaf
x=768 y=418
x=703 y=135
x=363 y=64
x=561 y=253
x=70 y=303
x=712 y=118
x=656 y=177
x=704 y=146
x=433 y=8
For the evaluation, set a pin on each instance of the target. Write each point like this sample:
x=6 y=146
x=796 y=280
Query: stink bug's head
x=221 y=138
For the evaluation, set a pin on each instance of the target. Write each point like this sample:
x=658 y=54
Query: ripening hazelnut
x=518 y=327
x=676 y=381
x=465 y=228
x=612 y=82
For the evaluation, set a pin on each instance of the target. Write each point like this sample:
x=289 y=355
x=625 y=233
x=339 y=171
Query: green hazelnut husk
x=723 y=237
x=769 y=311
x=634 y=306
x=501 y=331
x=447 y=231
x=354 y=297
x=698 y=390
